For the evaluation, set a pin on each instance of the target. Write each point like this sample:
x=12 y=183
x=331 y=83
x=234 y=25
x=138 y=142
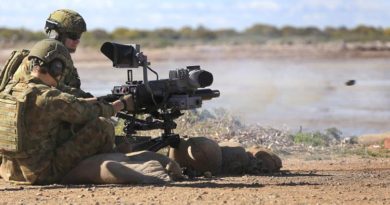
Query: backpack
x=11 y=66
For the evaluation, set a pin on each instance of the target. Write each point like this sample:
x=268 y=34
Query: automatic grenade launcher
x=161 y=100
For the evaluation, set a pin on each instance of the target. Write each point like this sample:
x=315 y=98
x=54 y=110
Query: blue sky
x=214 y=14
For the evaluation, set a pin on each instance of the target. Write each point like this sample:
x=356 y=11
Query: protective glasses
x=73 y=36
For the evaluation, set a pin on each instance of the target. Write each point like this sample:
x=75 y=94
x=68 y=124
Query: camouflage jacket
x=50 y=118
x=71 y=77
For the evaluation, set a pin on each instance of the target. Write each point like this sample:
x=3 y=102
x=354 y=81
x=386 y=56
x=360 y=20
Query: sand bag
x=117 y=168
x=199 y=154
x=263 y=160
x=235 y=160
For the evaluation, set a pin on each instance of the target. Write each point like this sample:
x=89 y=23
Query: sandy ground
x=349 y=180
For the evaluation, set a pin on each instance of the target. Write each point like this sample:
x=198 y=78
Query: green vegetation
x=313 y=139
x=258 y=33
x=11 y=36
x=331 y=135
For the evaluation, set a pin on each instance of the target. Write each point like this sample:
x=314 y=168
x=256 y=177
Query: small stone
x=199 y=197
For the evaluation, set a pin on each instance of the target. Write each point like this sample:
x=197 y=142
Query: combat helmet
x=52 y=55
x=65 y=21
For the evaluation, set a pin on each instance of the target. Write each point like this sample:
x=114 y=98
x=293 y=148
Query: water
x=296 y=94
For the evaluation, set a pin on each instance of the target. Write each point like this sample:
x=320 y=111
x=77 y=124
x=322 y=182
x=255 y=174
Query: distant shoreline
x=331 y=50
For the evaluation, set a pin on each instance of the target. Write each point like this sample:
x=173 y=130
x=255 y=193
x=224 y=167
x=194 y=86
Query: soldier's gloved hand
x=128 y=102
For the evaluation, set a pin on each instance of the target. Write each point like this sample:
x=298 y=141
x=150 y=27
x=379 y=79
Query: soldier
x=53 y=131
x=67 y=27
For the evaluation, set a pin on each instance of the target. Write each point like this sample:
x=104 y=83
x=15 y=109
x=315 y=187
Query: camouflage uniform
x=66 y=21
x=71 y=77
x=61 y=131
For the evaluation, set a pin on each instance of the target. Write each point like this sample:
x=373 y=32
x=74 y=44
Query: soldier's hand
x=128 y=102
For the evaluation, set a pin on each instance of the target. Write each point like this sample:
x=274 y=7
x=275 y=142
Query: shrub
x=313 y=139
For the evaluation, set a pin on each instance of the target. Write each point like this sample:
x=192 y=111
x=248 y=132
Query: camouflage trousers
x=95 y=137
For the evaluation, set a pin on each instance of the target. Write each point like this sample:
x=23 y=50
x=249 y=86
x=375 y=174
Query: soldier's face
x=45 y=77
x=71 y=44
